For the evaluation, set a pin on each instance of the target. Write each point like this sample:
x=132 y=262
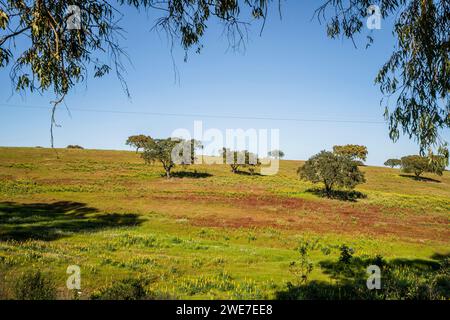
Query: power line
x=192 y=115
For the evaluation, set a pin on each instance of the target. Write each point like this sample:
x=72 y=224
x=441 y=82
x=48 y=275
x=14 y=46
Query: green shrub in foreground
x=128 y=289
x=400 y=280
x=34 y=286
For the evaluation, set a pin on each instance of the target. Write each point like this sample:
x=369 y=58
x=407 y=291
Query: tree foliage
x=137 y=141
x=333 y=170
x=417 y=74
x=160 y=150
x=418 y=165
x=55 y=57
x=393 y=163
x=352 y=151
x=169 y=152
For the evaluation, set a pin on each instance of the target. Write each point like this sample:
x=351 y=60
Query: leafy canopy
x=416 y=76
x=169 y=152
x=352 y=151
x=55 y=57
x=415 y=79
x=137 y=141
x=333 y=170
x=418 y=165
x=393 y=163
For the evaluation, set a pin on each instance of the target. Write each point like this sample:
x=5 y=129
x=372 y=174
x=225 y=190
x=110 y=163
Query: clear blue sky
x=292 y=71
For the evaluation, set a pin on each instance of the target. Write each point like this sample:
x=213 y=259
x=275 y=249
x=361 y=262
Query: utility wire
x=192 y=115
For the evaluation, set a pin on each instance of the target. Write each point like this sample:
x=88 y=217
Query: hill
x=117 y=217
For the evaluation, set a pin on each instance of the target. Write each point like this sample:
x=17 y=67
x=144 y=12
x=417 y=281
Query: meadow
x=206 y=233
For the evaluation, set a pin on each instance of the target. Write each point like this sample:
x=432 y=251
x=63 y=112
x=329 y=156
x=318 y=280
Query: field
x=205 y=233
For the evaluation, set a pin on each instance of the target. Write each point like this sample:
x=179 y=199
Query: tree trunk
x=167 y=169
x=328 y=190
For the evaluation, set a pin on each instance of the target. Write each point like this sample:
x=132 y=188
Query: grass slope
x=207 y=233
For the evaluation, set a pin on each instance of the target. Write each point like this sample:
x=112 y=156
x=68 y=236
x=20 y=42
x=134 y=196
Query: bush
x=128 y=289
x=346 y=254
x=74 y=146
x=34 y=286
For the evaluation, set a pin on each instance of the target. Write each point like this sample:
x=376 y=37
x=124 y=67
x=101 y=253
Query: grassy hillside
x=206 y=233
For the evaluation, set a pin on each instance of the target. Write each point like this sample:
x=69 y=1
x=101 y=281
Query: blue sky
x=292 y=71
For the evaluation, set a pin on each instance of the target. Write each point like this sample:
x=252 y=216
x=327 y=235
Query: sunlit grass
x=221 y=236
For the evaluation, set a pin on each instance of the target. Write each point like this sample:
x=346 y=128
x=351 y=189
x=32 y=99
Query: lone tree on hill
x=393 y=163
x=138 y=141
x=169 y=152
x=333 y=170
x=419 y=165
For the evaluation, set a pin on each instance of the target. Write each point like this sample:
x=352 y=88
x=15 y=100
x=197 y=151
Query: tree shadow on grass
x=246 y=173
x=190 y=174
x=440 y=256
x=425 y=179
x=400 y=279
x=51 y=221
x=344 y=195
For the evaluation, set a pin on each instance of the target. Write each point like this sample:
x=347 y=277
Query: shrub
x=346 y=254
x=74 y=146
x=34 y=286
x=410 y=280
x=302 y=268
x=127 y=289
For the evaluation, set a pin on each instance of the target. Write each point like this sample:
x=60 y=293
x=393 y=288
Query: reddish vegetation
x=312 y=215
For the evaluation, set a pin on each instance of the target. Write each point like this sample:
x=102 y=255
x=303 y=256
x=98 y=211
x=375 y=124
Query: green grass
x=217 y=236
